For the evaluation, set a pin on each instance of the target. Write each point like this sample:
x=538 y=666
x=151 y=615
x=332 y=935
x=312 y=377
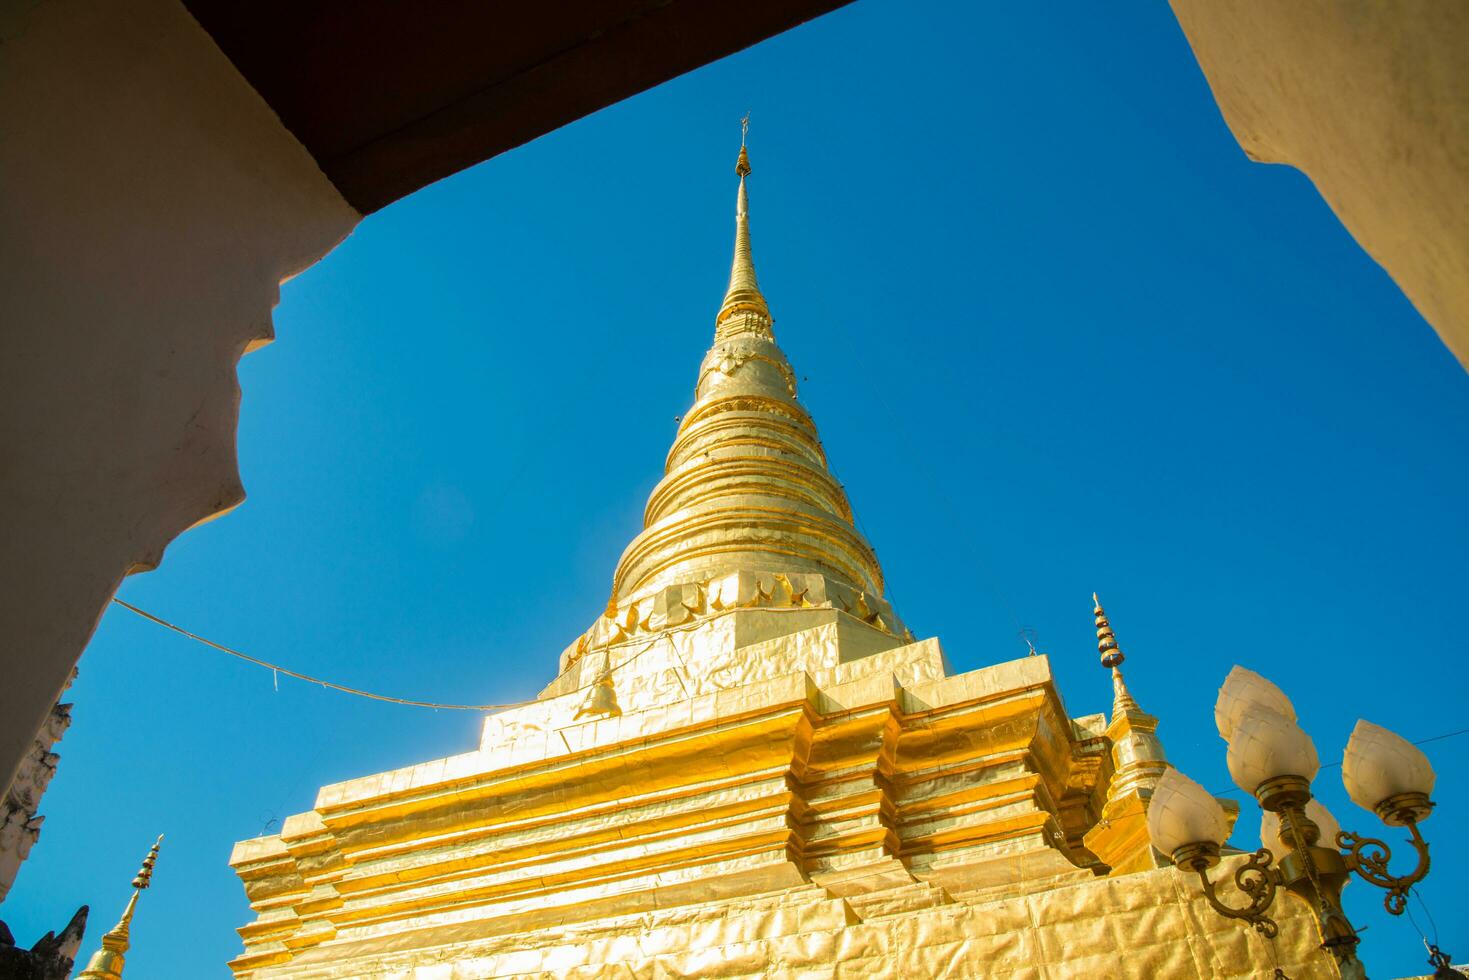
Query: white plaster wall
x=150 y=206
x=1370 y=99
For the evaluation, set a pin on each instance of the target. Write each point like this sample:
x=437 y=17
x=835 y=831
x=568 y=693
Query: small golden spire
x=1112 y=657
x=107 y=962
x=1120 y=838
x=744 y=308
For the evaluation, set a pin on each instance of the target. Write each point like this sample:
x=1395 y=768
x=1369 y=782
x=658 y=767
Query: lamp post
x=1306 y=854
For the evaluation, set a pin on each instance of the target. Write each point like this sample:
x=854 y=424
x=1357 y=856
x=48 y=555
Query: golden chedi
x=748 y=766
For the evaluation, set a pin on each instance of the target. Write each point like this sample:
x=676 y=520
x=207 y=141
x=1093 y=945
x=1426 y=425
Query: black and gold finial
x=107 y=962
x=144 y=876
x=1112 y=655
x=1122 y=700
x=1120 y=838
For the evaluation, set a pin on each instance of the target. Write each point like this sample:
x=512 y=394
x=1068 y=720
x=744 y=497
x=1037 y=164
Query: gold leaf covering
x=748 y=767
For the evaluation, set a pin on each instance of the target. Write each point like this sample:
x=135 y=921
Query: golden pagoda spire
x=1120 y=838
x=107 y=962
x=1112 y=658
x=746 y=487
x=744 y=308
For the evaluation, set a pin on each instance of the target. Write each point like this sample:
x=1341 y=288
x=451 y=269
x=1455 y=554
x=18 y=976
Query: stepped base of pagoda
x=1152 y=924
x=763 y=792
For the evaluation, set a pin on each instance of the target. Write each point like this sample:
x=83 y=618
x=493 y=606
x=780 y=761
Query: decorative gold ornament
x=601 y=699
x=1121 y=838
x=107 y=962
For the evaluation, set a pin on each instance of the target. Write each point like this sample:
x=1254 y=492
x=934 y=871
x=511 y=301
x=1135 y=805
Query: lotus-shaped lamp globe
x=1181 y=812
x=1264 y=745
x=1243 y=690
x=1385 y=773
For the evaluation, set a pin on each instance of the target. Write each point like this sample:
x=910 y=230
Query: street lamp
x=1273 y=759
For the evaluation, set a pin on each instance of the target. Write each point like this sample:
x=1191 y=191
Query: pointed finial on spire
x=107 y=962
x=1106 y=640
x=1112 y=657
x=744 y=309
x=144 y=876
x=742 y=165
x=1120 y=838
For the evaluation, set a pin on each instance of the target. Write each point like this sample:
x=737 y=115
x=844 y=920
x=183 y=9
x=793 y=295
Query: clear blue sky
x=1058 y=333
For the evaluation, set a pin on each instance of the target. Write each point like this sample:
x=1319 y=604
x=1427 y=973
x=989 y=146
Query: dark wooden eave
x=390 y=96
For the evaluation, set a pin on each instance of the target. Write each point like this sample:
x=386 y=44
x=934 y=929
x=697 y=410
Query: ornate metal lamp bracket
x=1255 y=878
x=1368 y=857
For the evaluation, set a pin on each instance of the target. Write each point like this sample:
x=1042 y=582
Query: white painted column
x=1371 y=101
x=150 y=206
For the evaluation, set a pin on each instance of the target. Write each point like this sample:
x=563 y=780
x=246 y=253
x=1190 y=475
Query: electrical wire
x=277 y=668
x=1333 y=765
x=437 y=705
x=513 y=704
